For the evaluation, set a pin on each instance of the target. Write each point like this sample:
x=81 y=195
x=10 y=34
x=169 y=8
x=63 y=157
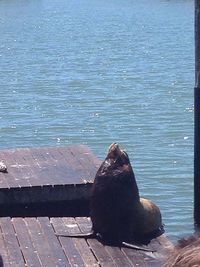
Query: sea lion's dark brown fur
x=185 y=254
x=117 y=211
x=118 y=214
x=113 y=196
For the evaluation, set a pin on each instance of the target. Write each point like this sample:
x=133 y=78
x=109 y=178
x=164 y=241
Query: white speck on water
x=172 y=145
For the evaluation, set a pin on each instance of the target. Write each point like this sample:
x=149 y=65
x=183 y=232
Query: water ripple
x=104 y=71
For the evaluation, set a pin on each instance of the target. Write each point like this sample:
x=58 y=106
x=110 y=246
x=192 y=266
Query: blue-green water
x=97 y=72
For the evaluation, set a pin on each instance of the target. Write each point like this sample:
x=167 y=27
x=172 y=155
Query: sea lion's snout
x=113 y=148
x=117 y=154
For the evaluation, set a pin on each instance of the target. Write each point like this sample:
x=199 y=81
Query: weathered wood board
x=47 y=174
x=32 y=242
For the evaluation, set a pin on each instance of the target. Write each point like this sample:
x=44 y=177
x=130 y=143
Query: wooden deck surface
x=47 y=174
x=29 y=167
x=32 y=242
x=50 y=176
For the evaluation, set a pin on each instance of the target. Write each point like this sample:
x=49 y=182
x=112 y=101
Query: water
x=97 y=72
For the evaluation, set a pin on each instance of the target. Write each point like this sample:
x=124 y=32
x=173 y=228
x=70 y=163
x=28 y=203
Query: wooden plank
x=73 y=156
x=81 y=244
x=28 y=165
x=81 y=154
x=19 y=169
x=162 y=247
x=22 y=168
x=4 y=177
x=74 y=164
x=68 y=245
x=4 y=261
x=67 y=173
x=11 y=243
x=59 y=167
x=47 y=172
x=98 y=249
x=95 y=161
x=118 y=257
x=101 y=254
x=84 y=224
x=40 y=243
x=29 y=252
x=48 y=166
x=43 y=173
x=17 y=166
x=23 y=160
x=165 y=242
x=32 y=242
x=109 y=254
x=12 y=177
x=134 y=256
x=81 y=172
x=151 y=259
x=49 y=233
x=33 y=166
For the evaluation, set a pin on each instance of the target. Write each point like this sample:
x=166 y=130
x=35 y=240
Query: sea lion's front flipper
x=129 y=245
x=79 y=235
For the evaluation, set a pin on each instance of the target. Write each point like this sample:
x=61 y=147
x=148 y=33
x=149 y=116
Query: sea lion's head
x=116 y=161
x=117 y=155
x=116 y=169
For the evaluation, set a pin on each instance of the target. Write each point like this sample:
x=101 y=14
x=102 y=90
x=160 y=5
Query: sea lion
x=117 y=211
x=119 y=216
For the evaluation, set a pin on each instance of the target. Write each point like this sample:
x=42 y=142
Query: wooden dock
x=32 y=242
x=38 y=177
x=41 y=190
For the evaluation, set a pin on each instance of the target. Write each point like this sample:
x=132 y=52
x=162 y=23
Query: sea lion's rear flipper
x=79 y=235
x=129 y=245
